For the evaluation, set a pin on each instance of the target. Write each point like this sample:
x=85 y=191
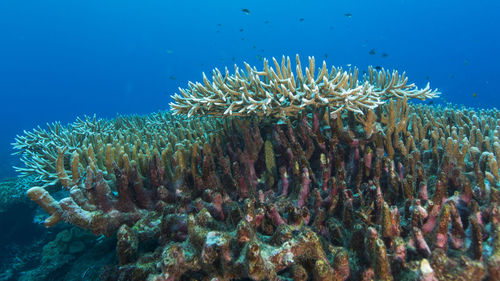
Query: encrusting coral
x=402 y=191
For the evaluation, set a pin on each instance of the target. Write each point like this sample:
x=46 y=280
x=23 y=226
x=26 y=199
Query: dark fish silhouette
x=378 y=67
x=301 y=19
x=349 y=15
x=172 y=77
x=241 y=29
x=246 y=11
x=326 y=56
x=266 y=21
x=372 y=52
x=384 y=55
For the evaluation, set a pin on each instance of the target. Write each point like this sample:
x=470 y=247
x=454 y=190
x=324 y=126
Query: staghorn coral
x=276 y=92
x=409 y=192
x=99 y=142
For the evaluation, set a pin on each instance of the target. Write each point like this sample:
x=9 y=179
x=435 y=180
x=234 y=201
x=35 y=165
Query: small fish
x=172 y=77
x=349 y=15
x=331 y=27
x=326 y=56
x=168 y=51
x=466 y=61
x=430 y=102
x=452 y=75
x=348 y=65
x=254 y=47
x=378 y=67
x=219 y=24
x=233 y=58
x=427 y=78
x=266 y=22
x=242 y=38
x=246 y=11
x=372 y=52
x=301 y=19
x=384 y=55
x=241 y=29
x=474 y=95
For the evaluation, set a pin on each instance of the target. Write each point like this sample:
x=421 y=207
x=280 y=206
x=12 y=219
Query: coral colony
x=279 y=175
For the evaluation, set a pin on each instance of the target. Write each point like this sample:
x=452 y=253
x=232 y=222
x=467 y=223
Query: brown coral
x=410 y=190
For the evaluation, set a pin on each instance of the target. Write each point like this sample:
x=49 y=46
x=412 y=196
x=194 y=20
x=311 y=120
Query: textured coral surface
x=400 y=192
x=281 y=92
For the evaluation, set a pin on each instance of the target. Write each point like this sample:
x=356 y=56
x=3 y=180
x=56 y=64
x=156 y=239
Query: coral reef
x=74 y=254
x=98 y=143
x=18 y=232
x=12 y=192
x=278 y=93
x=402 y=191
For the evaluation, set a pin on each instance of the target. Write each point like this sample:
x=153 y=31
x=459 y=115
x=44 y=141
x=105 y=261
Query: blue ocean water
x=63 y=59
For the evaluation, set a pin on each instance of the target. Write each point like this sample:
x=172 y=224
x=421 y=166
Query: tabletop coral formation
x=402 y=191
x=277 y=92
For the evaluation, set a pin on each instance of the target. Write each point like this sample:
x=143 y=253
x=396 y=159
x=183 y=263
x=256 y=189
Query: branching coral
x=403 y=192
x=98 y=143
x=277 y=92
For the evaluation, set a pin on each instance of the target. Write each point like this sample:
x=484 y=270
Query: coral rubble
x=402 y=191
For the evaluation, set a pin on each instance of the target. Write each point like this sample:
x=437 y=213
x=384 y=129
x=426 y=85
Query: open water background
x=64 y=59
